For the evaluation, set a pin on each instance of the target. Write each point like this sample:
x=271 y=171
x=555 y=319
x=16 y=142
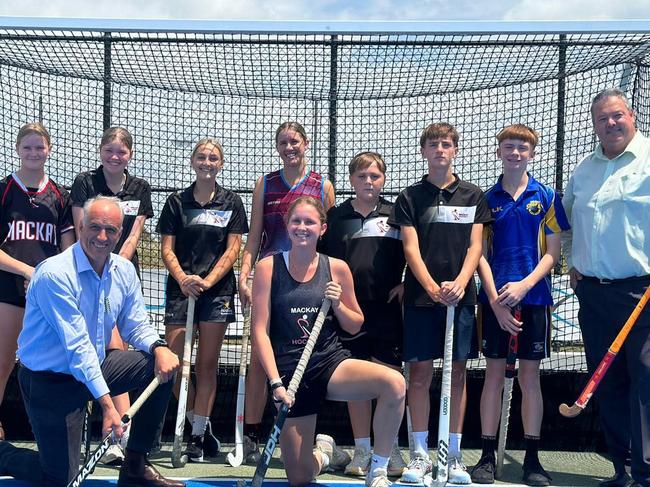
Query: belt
x=617 y=281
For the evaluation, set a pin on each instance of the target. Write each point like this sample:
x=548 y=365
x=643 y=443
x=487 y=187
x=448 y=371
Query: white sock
x=378 y=462
x=454 y=444
x=362 y=443
x=125 y=438
x=325 y=460
x=199 y=424
x=190 y=415
x=420 y=442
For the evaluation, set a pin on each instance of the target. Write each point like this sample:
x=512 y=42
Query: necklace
x=31 y=194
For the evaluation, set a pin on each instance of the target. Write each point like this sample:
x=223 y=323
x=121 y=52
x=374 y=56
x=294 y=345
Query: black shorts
x=381 y=335
x=312 y=390
x=534 y=341
x=13 y=289
x=424 y=333
x=212 y=309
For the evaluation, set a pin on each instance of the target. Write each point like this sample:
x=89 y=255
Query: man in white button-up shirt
x=607 y=201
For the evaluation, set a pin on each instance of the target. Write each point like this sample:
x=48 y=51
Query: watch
x=158 y=343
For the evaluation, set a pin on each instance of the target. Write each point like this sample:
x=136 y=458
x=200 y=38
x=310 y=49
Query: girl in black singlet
x=288 y=291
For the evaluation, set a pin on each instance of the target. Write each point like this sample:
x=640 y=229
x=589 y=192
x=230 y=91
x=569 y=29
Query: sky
x=330 y=10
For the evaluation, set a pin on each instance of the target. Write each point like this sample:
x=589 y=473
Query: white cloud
x=578 y=10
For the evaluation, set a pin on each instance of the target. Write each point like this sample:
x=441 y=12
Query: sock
x=190 y=415
x=489 y=445
x=378 y=462
x=199 y=424
x=362 y=443
x=252 y=430
x=420 y=442
x=325 y=460
x=454 y=444
x=125 y=438
x=532 y=446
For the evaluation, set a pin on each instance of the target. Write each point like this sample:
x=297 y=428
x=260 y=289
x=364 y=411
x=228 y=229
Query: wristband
x=275 y=384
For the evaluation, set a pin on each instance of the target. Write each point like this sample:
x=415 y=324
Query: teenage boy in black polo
x=441 y=220
x=358 y=233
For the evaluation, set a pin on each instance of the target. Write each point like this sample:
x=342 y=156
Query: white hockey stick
x=442 y=473
x=178 y=459
x=236 y=457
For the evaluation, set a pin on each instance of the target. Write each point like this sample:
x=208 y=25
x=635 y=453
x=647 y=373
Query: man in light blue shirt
x=73 y=301
x=607 y=201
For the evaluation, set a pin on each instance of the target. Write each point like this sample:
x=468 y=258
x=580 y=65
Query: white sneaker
x=338 y=457
x=378 y=478
x=396 y=463
x=360 y=462
x=113 y=455
x=457 y=473
x=417 y=468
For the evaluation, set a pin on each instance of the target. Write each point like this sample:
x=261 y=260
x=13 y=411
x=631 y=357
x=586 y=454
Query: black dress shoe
x=620 y=479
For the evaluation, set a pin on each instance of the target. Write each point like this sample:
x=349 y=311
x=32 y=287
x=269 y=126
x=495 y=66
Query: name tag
x=130 y=208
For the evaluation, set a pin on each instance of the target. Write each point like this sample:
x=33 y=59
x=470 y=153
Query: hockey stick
x=510 y=373
x=442 y=473
x=236 y=457
x=409 y=424
x=178 y=459
x=274 y=437
x=86 y=436
x=572 y=411
x=89 y=466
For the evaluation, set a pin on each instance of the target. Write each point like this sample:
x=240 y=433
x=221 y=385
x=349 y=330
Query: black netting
x=351 y=92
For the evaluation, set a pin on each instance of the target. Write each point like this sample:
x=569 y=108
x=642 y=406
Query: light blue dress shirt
x=607 y=202
x=70 y=313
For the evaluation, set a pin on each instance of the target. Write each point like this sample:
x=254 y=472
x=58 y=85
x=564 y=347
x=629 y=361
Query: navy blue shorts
x=212 y=309
x=312 y=390
x=424 y=333
x=381 y=335
x=534 y=341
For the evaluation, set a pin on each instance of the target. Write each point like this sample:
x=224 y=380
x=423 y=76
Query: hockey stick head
x=235 y=459
x=179 y=462
x=570 y=411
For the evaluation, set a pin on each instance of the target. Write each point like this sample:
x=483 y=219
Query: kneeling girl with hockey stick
x=288 y=290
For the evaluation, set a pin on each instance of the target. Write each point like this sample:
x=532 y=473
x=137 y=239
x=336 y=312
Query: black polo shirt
x=372 y=248
x=202 y=234
x=135 y=199
x=443 y=220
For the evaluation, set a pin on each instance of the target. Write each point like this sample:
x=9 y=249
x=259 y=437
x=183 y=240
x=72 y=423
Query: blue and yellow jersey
x=517 y=238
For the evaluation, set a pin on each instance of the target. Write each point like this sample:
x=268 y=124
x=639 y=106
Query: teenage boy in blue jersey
x=519 y=251
x=441 y=220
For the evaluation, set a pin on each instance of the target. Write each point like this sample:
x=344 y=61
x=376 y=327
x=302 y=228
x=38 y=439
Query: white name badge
x=130 y=208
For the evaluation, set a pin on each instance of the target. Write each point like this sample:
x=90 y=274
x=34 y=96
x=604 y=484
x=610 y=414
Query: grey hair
x=96 y=199
x=611 y=93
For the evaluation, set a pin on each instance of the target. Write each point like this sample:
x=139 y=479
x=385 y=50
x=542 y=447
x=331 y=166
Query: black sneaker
x=211 y=445
x=252 y=455
x=535 y=475
x=194 y=450
x=483 y=471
